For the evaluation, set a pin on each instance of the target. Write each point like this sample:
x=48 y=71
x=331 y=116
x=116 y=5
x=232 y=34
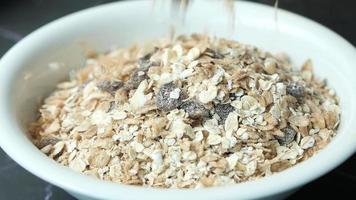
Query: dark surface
x=20 y=17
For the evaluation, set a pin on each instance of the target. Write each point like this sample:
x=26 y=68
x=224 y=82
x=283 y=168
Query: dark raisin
x=213 y=54
x=158 y=138
x=144 y=63
x=195 y=110
x=164 y=101
x=295 y=89
x=110 y=86
x=112 y=106
x=47 y=140
x=140 y=73
x=223 y=111
x=226 y=154
x=289 y=135
x=136 y=78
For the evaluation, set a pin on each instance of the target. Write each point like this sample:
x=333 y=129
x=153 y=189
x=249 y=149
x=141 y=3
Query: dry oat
x=187 y=113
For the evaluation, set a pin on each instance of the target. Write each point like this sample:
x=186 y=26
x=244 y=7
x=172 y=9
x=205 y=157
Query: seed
x=163 y=98
x=110 y=86
x=195 y=110
x=289 y=135
x=295 y=89
x=223 y=111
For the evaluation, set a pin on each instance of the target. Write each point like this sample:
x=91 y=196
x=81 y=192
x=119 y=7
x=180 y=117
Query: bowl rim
x=65 y=178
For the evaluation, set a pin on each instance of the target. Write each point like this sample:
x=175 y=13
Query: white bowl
x=25 y=79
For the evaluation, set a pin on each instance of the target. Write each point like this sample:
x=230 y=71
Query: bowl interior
x=31 y=78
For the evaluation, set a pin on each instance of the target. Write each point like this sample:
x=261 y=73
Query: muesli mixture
x=192 y=112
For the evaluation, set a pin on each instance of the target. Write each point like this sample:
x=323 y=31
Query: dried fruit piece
x=164 y=100
x=213 y=54
x=144 y=62
x=289 y=135
x=140 y=73
x=295 y=89
x=195 y=110
x=47 y=140
x=112 y=106
x=110 y=86
x=136 y=78
x=223 y=111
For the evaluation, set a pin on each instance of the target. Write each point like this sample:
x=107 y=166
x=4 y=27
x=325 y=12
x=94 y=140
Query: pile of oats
x=193 y=112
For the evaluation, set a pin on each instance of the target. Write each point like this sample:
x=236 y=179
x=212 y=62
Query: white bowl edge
x=17 y=146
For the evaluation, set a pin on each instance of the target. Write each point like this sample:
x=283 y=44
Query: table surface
x=20 y=17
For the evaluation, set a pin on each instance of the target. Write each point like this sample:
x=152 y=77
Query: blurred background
x=20 y=17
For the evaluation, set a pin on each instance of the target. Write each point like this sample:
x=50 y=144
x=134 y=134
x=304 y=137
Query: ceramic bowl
x=25 y=79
